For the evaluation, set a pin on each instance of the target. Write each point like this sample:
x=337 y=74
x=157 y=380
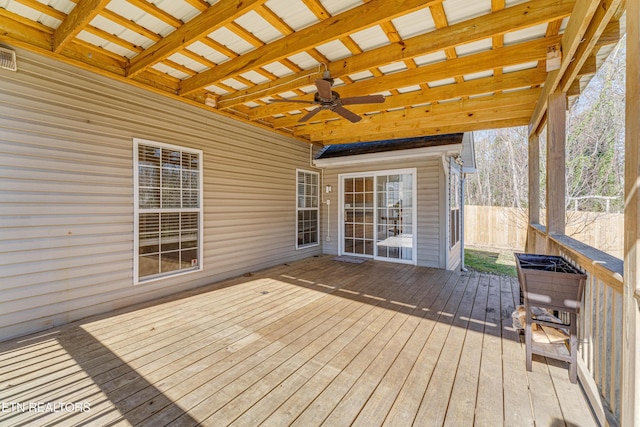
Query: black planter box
x=549 y=281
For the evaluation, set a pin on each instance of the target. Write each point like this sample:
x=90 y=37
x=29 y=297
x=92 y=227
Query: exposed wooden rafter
x=193 y=53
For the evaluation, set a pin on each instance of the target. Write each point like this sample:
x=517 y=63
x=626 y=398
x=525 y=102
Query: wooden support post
x=630 y=311
x=534 y=190
x=556 y=131
x=534 y=179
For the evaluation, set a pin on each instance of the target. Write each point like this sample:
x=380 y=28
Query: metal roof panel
x=525 y=34
x=370 y=38
x=207 y=52
x=303 y=60
x=520 y=67
x=461 y=10
x=185 y=61
x=335 y=7
x=293 y=12
x=475 y=47
x=431 y=58
x=170 y=70
x=393 y=68
x=479 y=75
x=178 y=9
x=32 y=14
x=334 y=50
x=415 y=23
x=231 y=40
x=132 y=13
x=106 y=45
x=111 y=27
x=259 y=27
x=278 y=69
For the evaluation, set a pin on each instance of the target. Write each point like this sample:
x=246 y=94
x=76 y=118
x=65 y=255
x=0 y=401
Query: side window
x=168 y=210
x=307 y=210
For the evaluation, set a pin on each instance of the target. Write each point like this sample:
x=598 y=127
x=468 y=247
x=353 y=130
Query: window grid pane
x=307 y=189
x=168 y=184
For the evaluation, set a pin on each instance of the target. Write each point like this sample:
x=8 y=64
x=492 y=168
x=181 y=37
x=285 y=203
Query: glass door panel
x=394 y=217
x=359 y=215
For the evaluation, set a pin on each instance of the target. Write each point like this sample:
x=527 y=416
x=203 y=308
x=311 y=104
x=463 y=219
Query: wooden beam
x=610 y=35
x=510 y=55
x=498 y=40
x=589 y=67
x=127 y=23
x=428 y=129
x=272 y=18
x=43 y=8
x=341 y=25
x=201 y=5
x=111 y=38
x=601 y=18
x=15 y=18
x=208 y=21
x=446 y=119
x=630 y=387
x=556 y=141
x=79 y=18
x=579 y=22
x=574 y=89
x=510 y=19
x=93 y=58
x=515 y=80
x=469 y=107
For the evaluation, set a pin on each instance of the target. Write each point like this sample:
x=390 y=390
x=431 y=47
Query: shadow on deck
x=309 y=343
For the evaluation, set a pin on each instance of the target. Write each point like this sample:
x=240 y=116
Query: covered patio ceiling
x=442 y=66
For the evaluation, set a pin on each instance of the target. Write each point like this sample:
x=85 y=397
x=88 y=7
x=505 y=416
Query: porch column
x=534 y=179
x=534 y=191
x=556 y=136
x=630 y=311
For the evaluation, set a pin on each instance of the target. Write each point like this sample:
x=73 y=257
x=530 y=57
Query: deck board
x=490 y=392
x=314 y=342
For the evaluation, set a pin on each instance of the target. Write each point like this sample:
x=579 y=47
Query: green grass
x=490 y=261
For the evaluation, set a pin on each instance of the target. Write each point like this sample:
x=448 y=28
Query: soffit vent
x=8 y=59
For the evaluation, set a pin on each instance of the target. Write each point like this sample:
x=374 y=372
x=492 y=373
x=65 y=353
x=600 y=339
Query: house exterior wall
x=429 y=202
x=66 y=193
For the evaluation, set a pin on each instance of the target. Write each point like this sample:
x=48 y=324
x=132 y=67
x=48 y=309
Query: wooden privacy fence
x=506 y=228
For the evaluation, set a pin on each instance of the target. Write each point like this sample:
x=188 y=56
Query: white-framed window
x=454 y=203
x=168 y=226
x=307 y=208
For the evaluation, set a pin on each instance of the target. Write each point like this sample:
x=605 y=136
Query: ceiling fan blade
x=369 y=99
x=324 y=88
x=310 y=114
x=297 y=101
x=349 y=115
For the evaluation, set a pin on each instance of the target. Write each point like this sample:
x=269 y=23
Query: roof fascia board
x=388 y=156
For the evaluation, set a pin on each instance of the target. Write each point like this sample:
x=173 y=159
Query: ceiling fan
x=327 y=99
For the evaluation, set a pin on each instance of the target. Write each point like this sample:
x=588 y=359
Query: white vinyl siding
x=168 y=209
x=307 y=208
x=67 y=193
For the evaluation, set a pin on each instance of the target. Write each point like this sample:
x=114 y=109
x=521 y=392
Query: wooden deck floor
x=316 y=342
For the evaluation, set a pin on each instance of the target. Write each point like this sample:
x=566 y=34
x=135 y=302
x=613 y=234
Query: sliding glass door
x=378 y=218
